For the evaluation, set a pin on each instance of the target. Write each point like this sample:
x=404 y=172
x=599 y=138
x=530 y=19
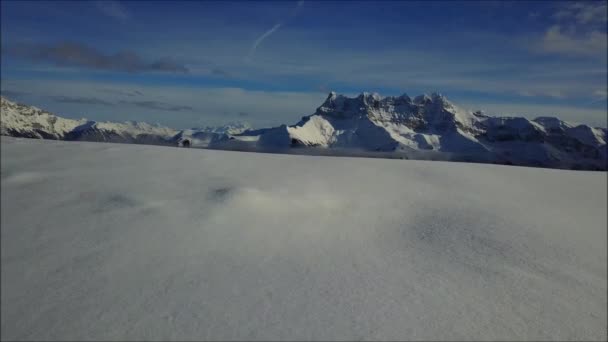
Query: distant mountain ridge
x=427 y=126
x=30 y=122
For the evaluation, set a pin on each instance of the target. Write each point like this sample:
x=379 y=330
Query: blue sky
x=190 y=63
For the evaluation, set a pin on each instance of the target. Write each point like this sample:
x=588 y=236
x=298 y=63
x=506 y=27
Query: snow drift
x=119 y=242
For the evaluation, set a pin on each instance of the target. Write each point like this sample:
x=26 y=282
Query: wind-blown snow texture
x=111 y=241
x=427 y=127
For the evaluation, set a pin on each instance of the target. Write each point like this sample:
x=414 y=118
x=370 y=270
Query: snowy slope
x=125 y=132
x=152 y=243
x=31 y=122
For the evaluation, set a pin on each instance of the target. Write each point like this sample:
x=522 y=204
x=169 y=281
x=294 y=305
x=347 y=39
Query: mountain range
x=423 y=127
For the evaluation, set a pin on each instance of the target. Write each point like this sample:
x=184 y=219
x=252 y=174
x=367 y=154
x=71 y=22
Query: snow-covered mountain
x=407 y=126
x=425 y=127
x=210 y=135
x=230 y=128
x=31 y=122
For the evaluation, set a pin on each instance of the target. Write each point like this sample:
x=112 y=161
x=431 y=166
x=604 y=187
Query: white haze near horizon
x=105 y=241
x=219 y=106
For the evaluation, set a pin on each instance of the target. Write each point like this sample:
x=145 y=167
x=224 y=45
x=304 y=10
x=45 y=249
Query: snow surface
x=110 y=241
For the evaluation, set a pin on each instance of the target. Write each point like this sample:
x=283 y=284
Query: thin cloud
x=220 y=72
x=130 y=93
x=599 y=95
x=558 y=40
x=583 y=12
x=113 y=9
x=554 y=93
x=154 y=105
x=81 y=100
x=324 y=88
x=12 y=93
x=267 y=34
x=157 y=105
x=261 y=39
x=80 y=55
x=579 y=29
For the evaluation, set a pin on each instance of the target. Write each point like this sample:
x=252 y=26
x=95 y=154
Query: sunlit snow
x=107 y=241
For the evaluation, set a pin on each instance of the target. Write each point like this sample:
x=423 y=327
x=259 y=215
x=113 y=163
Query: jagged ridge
x=433 y=123
x=400 y=126
x=31 y=122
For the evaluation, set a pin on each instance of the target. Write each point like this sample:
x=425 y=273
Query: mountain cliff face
x=429 y=127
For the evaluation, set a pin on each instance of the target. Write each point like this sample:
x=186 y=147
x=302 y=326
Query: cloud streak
x=112 y=9
x=600 y=95
x=273 y=29
x=130 y=93
x=261 y=39
x=584 y=12
x=81 y=100
x=558 y=40
x=153 y=105
x=79 y=55
x=579 y=30
x=157 y=105
x=220 y=72
x=13 y=94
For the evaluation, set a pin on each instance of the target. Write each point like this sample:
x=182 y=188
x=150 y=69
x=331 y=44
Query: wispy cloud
x=130 y=93
x=579 y=29
x=273 y=29
x=599 y=95
x=261 y=39
x=214 y=106
x=554 y=93
x=13 y=94
x=81 y=100
x=154 y=105
x=563 y=41
x=157 y=105
x=323 y=88
x=589 y=12
x=113 y=9
x=80 y=55
x=220 y=72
